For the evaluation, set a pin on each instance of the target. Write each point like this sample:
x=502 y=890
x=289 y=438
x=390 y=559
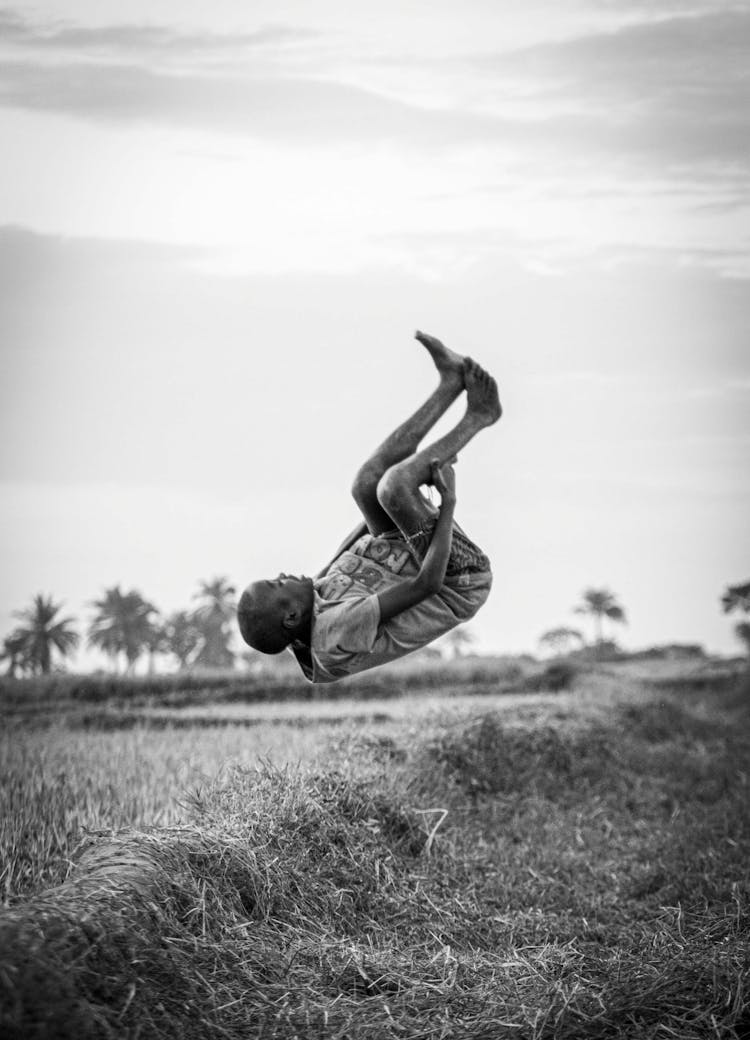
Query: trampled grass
x=551 y=870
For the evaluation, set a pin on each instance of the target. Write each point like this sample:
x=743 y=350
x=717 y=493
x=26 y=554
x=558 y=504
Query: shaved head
x=271 y=614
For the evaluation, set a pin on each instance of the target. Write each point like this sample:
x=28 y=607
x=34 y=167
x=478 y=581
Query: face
x=278 y=593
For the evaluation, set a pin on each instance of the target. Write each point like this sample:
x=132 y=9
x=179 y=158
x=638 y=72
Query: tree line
x=598 y=604
x=126 y=627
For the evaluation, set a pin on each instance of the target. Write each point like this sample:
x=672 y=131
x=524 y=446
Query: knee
x=364 y=486
x=391 y=487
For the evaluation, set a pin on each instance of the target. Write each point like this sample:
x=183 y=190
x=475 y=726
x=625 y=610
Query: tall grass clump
x=486 y=878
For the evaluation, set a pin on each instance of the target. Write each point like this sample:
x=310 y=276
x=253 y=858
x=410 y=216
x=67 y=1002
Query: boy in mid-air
x=405 y=576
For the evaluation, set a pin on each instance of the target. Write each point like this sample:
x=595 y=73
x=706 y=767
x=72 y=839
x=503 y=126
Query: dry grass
x=564 y=874
x=59 y=785
x=109 y=768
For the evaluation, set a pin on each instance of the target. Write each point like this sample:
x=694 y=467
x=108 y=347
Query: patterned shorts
x=465 y=557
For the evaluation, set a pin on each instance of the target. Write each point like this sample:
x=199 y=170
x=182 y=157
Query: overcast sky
x=220 y=225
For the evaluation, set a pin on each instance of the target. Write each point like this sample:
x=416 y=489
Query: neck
x=303 y=631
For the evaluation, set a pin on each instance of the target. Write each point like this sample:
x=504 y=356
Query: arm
x=432 y=572
x=348 y=542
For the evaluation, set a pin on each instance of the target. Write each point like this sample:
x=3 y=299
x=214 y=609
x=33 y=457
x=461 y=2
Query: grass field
x=112 y=768
x=572 y=865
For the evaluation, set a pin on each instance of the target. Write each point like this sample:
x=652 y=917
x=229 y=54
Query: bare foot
x=449 y=364
x=481 y=393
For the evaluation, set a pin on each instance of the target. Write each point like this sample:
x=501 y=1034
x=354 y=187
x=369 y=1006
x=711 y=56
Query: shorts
x=465 y=557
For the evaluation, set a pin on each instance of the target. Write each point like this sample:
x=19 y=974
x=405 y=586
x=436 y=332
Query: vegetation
x=14 y=652
x=458 y=642
x=737 y=597
x=214 y=618
x=61 y=785
x=572 y=869
x=598 y=604
x=742 y=631
x=561 y=640
x=30 y=647
x=181 y=637
x=124 y=626
x=38 y=700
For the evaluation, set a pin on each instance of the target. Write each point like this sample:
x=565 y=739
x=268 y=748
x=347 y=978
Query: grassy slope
x=590 y=879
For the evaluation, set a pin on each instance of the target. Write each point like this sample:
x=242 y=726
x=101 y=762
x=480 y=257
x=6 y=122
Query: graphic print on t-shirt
x=353 y=573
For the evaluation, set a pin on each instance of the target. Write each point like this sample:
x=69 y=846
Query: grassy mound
x=484 y=880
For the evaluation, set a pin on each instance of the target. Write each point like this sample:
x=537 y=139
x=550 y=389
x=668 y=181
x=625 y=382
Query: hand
x=444 y=479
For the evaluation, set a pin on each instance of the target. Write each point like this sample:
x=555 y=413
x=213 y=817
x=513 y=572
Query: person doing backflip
x=406 y=575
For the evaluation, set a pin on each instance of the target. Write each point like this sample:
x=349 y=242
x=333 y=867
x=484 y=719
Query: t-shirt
x=347 y=633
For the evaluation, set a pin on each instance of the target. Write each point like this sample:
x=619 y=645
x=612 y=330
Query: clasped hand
x=444 y=479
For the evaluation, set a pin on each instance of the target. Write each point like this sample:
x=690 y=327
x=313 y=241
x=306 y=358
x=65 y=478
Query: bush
x=488 y=757
x=558 y=675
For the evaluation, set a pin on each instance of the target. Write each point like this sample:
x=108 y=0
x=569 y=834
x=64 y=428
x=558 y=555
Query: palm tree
x=561 y=640
x=41 y=632
x=458 y=641
x=14 y=652
x=182 y=637
x=125 y=624
x=742 y=631
x=214 y=617
x=737 y=597
x=155 y=643
x=598 y=604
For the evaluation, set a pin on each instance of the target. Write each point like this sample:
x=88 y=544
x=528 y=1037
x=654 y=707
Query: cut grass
x=590 y=878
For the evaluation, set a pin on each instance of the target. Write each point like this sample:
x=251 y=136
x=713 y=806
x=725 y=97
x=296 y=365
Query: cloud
x=652 y=119
x=28 y=258
x=271 y=108
x=140 y=41
x=656 y=12
x=252 y=83
x=670 y=93
x=675 y=89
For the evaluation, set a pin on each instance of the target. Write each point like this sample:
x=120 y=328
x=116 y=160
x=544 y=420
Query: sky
x=221 y=224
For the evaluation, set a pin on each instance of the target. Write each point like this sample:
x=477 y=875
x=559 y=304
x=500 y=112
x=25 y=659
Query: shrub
x=558 y=675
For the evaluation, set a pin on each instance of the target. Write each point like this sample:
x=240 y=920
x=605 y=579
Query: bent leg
x=398 y=490
x=405 y=440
